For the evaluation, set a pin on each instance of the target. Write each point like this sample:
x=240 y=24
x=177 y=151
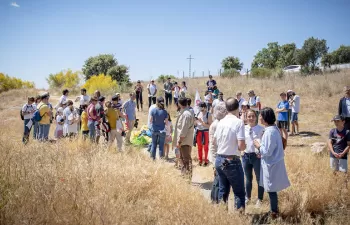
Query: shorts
x=176 y=100
x=339 y=164
x=294 y=117
x=282 y=124
x=168 y=139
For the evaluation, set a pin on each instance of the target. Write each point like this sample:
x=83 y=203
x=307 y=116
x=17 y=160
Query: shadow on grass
x=205 y=186
x=308 y=134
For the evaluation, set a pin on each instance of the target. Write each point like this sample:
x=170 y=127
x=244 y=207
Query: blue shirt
x=283 y=116
x=129 y=108
x=158 y=117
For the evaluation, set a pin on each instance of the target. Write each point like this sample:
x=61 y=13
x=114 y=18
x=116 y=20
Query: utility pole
x=189 y=65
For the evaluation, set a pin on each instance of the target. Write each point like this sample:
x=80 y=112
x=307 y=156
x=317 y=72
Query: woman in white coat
x=273 y=173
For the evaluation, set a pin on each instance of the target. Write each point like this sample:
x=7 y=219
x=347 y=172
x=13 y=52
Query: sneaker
x=199 y=164
x=205 y=164
x=247 y=200
x=258 y=203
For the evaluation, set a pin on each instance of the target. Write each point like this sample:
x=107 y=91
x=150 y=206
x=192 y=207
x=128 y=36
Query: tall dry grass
x=78 y=183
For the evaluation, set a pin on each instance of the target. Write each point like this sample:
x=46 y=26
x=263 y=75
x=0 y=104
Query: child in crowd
x=208 y=99
x=112 y=116
x=339 y=145
x=59 y=123
x=84 y=122
x=216 y=92
x=168 y=138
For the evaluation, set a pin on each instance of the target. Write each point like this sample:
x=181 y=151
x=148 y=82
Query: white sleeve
x=240 y=131
x=24 y=108
x=257 y=99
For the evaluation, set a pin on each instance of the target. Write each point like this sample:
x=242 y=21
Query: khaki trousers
x=128 y=132
x=116 y=135
x=185 y=156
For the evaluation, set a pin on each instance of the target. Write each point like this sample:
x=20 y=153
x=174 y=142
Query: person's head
x=210 y=77
x=108 y=104
x=160 y=102
x=175 y=83
x=232 y=105
x=184 y=83
x=138 y=83
x=152 y=81
x=221 y=96
x=203 y=107
x=115 y=99
x=94 y=100
x=37 y=99
x=283 y=96
x=132 y=96
x=189 y=101
x=70 y=104
x=215 y=87
x=347 y=91
x=251 y=117
x=97 y=94
x=220 y=111
x=84 y=107
x=239 y=95
x=45 y=98
x=169 y=79
x=60 y=111
x=245 y=106
x=251 y=93
x=118 y=96
x=267 y=116
x=31 y=100
x=83 y=91
x=169 y=118
x=102 y=100
x=338 y=122
x=183 y=103
x=65 y=92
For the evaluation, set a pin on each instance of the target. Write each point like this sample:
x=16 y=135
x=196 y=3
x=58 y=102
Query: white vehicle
x=292 y=69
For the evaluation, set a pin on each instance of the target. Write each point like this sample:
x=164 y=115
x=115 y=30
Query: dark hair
x=202 y=104
x=160 y=105
x=184 y=83
x=231 y=104
x=183 y=101
x=65 y=91
x=83 y=89
x=84 y=107
x=268 y=115
x=189 y=101
x=252 y=111
x=70 y=102
x=31 y=99
x=101 y=99
x=169 y=118
x=175 y=82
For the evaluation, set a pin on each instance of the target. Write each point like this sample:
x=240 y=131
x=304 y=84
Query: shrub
x=8 y=83
x=230 y=73
x=103 y=83
x=64 y=79
x=261 y=72
x=162 y=78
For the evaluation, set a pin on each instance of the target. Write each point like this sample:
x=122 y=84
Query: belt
x=231 y=157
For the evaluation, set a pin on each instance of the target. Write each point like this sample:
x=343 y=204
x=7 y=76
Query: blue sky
x=155 y=37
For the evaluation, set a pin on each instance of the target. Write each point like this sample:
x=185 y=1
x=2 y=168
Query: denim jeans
x=26 y=131
x=35 y=129
x=273 y=202
x=92 y=130
x=168 y=99
x=250 y=162
x=231 y=175
x=157 y=137
x=44 y=130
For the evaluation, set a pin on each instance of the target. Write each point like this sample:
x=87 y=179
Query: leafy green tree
x=119 y=73
x=267 y=57
x=313 y=50
x=232 y=62
x=98 y=65
x=341 y=55
x=286 y=55
x=162 y=78
x=327 y=60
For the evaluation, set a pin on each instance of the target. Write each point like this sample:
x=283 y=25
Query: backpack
x=37 y=117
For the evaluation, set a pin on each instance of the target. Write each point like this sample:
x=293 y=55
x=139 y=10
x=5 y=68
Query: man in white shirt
x=63 y=98
x=230 y=139
x=295 y=102
x=152 y=91
x=83 y=99
x=27 y=113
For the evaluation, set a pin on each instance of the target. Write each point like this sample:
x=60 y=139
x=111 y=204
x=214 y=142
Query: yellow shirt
x=112 y=116
x=84 y=121
x=44 y=113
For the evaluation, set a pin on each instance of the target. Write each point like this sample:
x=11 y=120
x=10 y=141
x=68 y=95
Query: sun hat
x=244 y=103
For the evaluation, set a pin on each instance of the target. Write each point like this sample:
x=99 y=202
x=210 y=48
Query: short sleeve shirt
x=283 y=116
x=339 y=141
x=158 y=118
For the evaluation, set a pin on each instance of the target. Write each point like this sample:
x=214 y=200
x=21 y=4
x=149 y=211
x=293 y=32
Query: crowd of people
x=237 y=136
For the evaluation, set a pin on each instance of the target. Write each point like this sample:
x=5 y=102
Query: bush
x=64 y=79
x=261 y=72
x=230 y=73
x=162 y=78
x=8 y=83
x=103 y=83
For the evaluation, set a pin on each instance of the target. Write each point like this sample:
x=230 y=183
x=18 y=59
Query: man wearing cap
x=344 y=107
x=211 y=83
x=27 y=114
x=45 y=113
x=339 y=145
x=168 y=88
x=282 y=110
x=129 y=110
x=138 y=91
x=152 y=91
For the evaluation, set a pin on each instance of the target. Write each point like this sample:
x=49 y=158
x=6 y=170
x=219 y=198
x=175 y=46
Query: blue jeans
x=26 y=131
x=273 y=202
x=231 y=175
x=250 y=162
x=158 y=138
x=35 y=130
x=44 y=130
x=92 y=130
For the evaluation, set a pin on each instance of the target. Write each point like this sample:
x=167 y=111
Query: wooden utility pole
x=189 y=65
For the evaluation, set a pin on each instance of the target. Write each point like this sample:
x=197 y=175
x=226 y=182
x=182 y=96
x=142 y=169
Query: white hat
x=60 y=109
x=289 y=91
x=245 y=103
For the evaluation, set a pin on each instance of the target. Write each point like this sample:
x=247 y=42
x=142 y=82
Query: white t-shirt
x=149 y=114
x=62 y=99
x=208 y=98
x=58 y=119
x=296 y=104
x=152 y=89
x=28 y=108
x=252 y=133
x=176 y=92
x=66 y=113
x=228 y=132
x=184 y=89
x=84 y=99
x=253 y=102
x=240 y=103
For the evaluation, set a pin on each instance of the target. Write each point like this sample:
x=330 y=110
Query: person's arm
x=184 y=127
x=346 y=150
x=267 y=145
x=241 y=137
x=91 y=113
x=340 y=107
x=155 y=92
x=148 y=89
x=330 y=148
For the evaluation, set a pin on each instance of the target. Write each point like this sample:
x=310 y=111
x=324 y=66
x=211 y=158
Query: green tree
x=286 y=55
x=232 y=62
x=327 y=60
x=119 y=73
x=267 y=57
x=162 y=78
x=98 y=65
x=64 y=79
x=312 y=50
x=341 y=55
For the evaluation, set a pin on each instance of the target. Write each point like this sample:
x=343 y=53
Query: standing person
x=92 y=118
x=168 y=88
x=189 y=102
x=218 y=100
x=36 y=123
x=215 y=92
x=295 y=103
x=273 y=173
x=230 y=139
x=203 y=121
x=289 y=98
x=339 y=145
x=59 y=123
x=83 y=99
x=176 y=94
x=138 y=90
x=251 y=161
x=66 y=113
x=100 y=117
x=211 y=83
x=282 y=118
x=129 y=110
x=97 y=94
x=208 y=99
x=240 y=100
x=84 y=122
x=219 y=113
x=159 y=117
x=112 y=116
x=183 y=90
x=71 y=119
x=254 y=102
x=27 y=113
x=62 y=99
x=152 y=92
x=183 y=137
x=244 y=112
x=45 y=113
x=344 y=107
x=117 y=102
x=168 y=137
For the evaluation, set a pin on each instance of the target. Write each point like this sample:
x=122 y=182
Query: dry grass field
x=79 y=183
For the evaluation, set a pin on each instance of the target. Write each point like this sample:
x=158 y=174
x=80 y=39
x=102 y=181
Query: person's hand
x=342 y=154
x=258 y=156
x=336 y=155
x=256 y=144
x=178 y=145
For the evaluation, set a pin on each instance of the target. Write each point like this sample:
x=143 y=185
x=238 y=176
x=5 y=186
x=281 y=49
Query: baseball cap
x=160 y=99
x=250 y=92
x=337 y=117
